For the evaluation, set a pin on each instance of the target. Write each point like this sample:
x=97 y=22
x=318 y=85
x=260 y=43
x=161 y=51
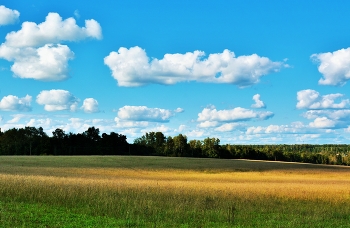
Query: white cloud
x=36 y=50
x=132 y=67
x=44 y=123
x=323 y=122
x=278 y=129
x=16 y=118
x=47 y=63
x=293 y=128
x=323 y=111
x=311 y=99
x=195 y=133
x=75 y=125
x=52 y=30
x=181 y=128
x=343 y=115
x=90 y=105
x=208 y=124
x=232 y=115
x=57 y=100
x=347 y=129
x=255 y=130
x=8 y=16
x=258 y=103
x=334 y=66
x=179 y=110
x=308 y=137
x=333 y=119
x=143 y=113
x=13 y=103
x=130 y=124
x=228 y=127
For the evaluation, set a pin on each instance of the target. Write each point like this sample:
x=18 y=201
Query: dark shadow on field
x=155 y=163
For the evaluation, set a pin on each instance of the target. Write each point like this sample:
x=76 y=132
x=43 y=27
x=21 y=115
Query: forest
x=34 y=141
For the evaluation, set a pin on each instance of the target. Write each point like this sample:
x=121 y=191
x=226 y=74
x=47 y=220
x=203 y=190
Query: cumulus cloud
x=195 y=133
x=311 y=99
x=328 y=118
x=52 y=30
x=332 y=114
x=57 y=100
x=143 y=113
x=13 y=103
x=334 y=66
x=232 y=115
x=47 y=63
x=44 y=123
x=258 y=103
x=228 y=127
x=130 y=124
x=323 y=122
x=8 y=16
x=132 y=67
x=181 y=128
x=271 y=129
x=15 y=118
x=90 y=105
x=294 y=128
x=326 y=112
x=208 y=124
x=179 y=110
x=36 y=50
x=255 y=130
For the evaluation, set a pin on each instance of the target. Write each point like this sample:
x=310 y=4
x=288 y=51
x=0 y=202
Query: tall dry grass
x=301 y=184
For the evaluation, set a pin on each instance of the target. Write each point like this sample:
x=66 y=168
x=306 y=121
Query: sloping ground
x=151 y=162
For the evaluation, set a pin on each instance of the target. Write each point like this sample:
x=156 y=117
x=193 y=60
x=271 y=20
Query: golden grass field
x=173 y=191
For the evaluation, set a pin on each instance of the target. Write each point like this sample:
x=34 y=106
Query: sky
x=246 y=72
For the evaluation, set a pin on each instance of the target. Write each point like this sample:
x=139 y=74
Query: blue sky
x=246 y=72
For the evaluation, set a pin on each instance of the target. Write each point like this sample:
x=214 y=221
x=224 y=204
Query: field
x=127 y=191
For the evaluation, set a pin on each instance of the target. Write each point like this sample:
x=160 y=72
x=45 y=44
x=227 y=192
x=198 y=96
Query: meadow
x=134 y=191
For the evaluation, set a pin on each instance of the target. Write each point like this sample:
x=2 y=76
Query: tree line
x=34 y=141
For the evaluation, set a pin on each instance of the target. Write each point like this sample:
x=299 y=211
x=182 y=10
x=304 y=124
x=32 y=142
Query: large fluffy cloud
x=328 y=119
x=8 y=16
x=36 y=50
x=311 y=99
x=13 y=103
x=132 y=67
x=90 y=105
x=334 y=66
x=323 y=122
x=52 y=30
x=47 y=63
x=57 y=100
x=326 y=112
